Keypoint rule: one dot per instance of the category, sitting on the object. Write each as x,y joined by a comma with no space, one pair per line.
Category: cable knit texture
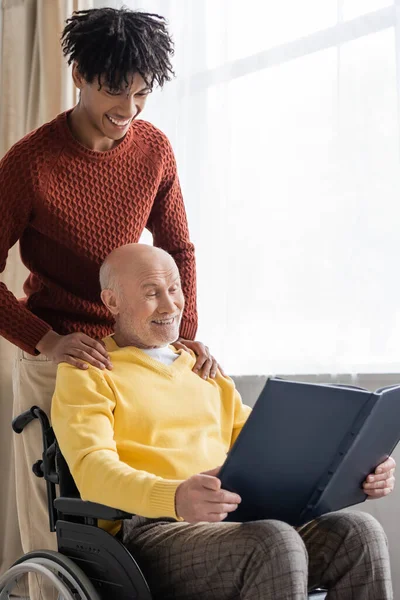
69,207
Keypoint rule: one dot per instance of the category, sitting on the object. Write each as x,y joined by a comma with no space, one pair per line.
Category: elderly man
148,436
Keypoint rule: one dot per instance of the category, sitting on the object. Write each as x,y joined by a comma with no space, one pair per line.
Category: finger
378,493
201,359
214,368
381,484
222,508
209,482
389,484
90,352
381,477
201,352
198,348
102,355
92,343
376,485
387,465
223,497
179,346
74,362
206,369
220,369
78,353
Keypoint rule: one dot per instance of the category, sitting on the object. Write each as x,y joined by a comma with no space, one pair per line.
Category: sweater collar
184,361
78,148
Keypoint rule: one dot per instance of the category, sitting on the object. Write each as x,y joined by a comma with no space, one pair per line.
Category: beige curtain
35,86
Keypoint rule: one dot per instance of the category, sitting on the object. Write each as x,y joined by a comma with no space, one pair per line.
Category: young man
153,449
72,191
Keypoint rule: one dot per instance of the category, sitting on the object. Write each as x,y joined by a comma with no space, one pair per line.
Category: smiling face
147,299
103,115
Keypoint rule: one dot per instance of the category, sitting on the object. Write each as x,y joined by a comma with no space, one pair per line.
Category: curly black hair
112,44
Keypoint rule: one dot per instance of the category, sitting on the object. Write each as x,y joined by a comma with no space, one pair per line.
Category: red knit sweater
69,207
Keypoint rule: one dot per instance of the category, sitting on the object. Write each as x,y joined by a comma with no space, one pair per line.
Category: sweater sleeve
17,323
169,227
83,421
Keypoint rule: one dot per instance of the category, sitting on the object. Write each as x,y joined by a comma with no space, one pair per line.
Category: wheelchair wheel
52,575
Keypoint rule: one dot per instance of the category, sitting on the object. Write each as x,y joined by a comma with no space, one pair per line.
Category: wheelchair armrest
81,508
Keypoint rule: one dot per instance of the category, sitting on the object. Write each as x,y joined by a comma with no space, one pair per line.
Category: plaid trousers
345,552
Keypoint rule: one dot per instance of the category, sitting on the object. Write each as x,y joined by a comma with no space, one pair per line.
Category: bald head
131,260
141,288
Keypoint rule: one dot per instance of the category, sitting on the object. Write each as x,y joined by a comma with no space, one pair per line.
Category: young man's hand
381,482
77,349
206,365
200,498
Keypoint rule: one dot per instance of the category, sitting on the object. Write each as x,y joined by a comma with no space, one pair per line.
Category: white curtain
284,117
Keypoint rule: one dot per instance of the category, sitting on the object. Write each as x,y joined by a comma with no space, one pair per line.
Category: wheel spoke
49,576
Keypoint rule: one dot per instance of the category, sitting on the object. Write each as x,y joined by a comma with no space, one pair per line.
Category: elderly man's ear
110,300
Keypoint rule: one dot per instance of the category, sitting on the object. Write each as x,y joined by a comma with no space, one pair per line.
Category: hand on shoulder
77,349
206,365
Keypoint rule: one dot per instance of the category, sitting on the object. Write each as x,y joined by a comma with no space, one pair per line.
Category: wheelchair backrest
67,485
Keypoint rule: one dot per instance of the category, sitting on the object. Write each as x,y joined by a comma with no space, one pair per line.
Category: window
284,120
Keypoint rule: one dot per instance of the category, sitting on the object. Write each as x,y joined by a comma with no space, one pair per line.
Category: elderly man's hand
381,482
200,498
206,365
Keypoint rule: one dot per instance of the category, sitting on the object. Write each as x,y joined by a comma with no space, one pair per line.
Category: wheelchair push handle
20,422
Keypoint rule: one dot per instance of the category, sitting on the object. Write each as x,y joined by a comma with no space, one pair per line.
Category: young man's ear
77,76
110,300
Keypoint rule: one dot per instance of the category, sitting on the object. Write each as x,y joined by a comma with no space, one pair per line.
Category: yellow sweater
131,435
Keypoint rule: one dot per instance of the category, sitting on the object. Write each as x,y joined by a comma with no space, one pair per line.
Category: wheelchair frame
111,568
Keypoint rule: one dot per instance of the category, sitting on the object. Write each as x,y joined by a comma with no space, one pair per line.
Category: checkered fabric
345,552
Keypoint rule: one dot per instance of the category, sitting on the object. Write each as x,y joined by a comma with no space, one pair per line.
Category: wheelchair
90,564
